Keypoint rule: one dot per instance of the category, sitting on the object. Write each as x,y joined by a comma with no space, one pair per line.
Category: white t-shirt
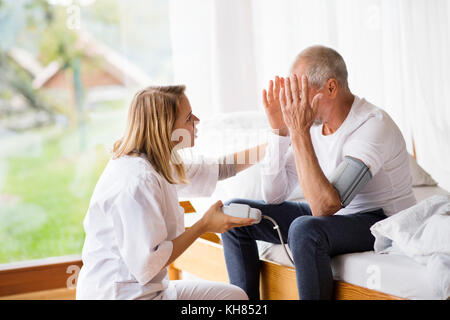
369,134
133,216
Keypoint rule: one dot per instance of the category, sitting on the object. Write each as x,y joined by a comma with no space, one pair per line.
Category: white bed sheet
397,275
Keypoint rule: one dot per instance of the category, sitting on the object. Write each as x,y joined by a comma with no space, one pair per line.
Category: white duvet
421,232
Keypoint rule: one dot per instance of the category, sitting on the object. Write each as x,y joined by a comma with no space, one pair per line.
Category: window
68,70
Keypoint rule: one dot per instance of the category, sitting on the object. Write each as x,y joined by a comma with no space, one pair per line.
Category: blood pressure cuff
349,178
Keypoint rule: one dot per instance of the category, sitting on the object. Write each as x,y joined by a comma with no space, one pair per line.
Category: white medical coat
133,215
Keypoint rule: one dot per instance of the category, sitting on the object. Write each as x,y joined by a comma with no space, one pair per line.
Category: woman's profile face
184,131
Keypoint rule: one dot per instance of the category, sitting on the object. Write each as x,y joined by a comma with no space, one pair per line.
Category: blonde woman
134,225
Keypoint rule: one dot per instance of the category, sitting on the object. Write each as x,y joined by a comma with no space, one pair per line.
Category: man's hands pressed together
287,106
296,114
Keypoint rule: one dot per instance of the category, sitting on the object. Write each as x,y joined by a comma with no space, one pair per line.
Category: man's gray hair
322,64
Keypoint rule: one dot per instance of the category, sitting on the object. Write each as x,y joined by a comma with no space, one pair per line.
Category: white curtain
397,54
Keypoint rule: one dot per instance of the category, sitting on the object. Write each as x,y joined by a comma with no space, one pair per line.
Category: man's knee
305,229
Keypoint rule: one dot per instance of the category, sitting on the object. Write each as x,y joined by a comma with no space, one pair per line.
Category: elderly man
351,162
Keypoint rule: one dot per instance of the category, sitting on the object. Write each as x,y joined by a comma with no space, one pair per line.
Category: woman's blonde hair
150,122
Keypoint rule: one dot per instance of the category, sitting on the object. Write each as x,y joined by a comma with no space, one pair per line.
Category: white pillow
419,176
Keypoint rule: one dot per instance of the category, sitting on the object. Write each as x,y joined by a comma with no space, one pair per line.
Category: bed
365,275
396,275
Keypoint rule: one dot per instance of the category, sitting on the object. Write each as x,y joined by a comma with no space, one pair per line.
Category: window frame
38,275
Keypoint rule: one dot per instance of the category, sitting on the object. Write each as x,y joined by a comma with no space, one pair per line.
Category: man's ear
331,88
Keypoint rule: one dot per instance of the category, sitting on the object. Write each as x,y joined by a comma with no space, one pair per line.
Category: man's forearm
322,198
